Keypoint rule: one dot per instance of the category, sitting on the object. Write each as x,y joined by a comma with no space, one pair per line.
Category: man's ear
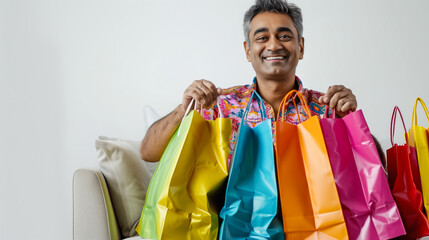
301,50
247,50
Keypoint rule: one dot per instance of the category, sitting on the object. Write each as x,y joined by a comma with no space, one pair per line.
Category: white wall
73,70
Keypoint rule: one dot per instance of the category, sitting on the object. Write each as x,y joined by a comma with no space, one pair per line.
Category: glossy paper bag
357,213
419,140
368,207
381,206
310,204
251,196
407,196
193,168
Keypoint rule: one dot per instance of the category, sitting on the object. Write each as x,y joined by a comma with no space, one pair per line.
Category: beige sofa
93,214
108,201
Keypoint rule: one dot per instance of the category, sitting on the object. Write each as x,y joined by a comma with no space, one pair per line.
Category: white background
73,70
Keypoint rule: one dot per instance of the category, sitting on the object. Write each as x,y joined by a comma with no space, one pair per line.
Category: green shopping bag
190,174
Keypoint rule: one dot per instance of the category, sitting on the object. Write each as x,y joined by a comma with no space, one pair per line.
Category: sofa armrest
93,214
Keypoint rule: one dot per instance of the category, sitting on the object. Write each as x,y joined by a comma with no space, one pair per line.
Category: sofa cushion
127,177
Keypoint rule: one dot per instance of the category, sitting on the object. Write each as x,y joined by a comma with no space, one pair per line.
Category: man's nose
273,44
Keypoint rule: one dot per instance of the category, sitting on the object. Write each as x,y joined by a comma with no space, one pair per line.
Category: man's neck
273,90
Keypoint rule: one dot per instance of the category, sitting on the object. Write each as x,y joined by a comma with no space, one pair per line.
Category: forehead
272,21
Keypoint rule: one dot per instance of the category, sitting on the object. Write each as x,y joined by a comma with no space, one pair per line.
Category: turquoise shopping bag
250,209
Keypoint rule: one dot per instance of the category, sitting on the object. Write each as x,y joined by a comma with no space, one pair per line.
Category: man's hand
159,134
204,92
339,98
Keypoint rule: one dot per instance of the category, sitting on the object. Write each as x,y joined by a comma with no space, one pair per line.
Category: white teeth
275,58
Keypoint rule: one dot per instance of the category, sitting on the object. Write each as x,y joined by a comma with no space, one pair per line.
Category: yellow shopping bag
180,200
419,140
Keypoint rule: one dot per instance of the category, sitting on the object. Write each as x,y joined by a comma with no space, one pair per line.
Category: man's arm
159,134
157,137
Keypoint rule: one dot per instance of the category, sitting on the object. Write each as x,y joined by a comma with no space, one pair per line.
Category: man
274,45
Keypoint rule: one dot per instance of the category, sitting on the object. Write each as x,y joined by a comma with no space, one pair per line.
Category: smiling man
274,48
273,45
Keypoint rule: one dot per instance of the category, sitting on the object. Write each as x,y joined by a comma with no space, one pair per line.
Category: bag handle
188,109
393,125
258,99
414,118
334,113
292,95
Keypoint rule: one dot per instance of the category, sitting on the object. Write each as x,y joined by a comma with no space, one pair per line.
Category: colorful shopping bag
251,195
419,140
369,209
309,200
414,165
357,212
407,196
384,212
193,168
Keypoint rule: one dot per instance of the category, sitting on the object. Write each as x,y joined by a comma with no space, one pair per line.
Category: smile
275,58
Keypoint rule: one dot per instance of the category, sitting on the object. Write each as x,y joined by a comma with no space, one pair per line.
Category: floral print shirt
233,101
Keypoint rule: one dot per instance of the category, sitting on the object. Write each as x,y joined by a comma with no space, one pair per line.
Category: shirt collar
298,83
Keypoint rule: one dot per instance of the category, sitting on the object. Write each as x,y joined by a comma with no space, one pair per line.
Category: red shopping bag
412,153
407,196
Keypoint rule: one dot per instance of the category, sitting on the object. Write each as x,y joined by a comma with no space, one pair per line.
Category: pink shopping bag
368,206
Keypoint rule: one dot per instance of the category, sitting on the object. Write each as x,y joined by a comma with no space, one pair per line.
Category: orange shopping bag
308,195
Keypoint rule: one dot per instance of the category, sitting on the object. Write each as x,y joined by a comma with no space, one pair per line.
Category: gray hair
275,6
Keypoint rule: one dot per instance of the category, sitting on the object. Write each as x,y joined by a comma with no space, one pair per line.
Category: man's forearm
159,134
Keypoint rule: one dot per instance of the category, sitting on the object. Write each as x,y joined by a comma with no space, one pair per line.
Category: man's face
275,47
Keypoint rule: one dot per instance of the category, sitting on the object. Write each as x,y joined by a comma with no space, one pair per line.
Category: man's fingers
204,92
199,95
348,106
210,92
331,92
321,98
339,98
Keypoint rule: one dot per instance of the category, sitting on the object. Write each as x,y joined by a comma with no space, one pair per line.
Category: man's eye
284,37
261,38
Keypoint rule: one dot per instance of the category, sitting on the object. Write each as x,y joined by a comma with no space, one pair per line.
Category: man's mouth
275,58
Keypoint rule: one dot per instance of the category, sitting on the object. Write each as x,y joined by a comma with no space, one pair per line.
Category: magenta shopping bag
368,206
